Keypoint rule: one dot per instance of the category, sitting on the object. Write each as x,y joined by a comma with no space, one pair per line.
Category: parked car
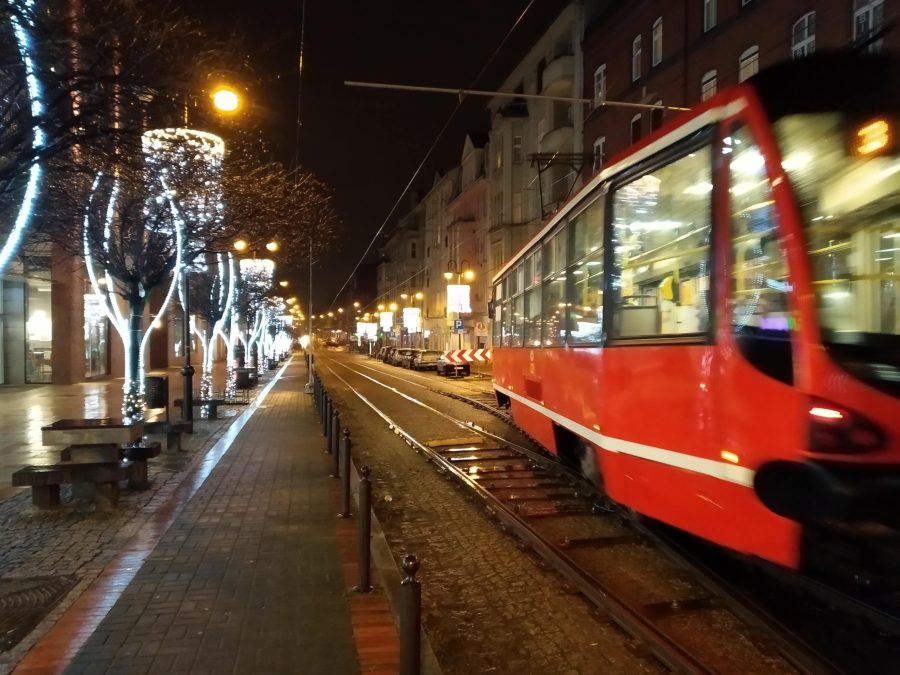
386,353
445,366
426,359
401,356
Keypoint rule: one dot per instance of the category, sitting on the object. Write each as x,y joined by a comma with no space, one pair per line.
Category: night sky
366,143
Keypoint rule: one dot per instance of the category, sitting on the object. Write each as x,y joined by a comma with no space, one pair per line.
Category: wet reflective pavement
241,568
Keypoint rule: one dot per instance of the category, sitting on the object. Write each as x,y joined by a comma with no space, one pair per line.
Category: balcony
558,140
559,75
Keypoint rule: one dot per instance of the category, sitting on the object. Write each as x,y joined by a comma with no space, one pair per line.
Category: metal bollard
410,618
326,418
365,530
345,474
335,441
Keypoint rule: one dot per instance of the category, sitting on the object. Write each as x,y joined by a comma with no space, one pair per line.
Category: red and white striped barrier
468,355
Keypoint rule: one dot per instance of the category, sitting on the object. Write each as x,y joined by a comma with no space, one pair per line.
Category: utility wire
432,148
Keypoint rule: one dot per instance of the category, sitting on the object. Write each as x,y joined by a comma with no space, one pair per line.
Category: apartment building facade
680,53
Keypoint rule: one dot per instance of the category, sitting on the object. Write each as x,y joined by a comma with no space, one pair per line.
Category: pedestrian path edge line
58,646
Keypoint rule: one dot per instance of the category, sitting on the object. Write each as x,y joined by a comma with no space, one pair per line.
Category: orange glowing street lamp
226,99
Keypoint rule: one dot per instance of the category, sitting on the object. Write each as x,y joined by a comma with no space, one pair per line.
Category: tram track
686,624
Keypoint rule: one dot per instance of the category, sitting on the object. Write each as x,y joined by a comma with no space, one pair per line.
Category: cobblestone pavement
489,607
74,540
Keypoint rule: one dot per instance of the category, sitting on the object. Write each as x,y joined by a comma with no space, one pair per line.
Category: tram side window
760,315
497,324
661,228
586,275
507,324
517,305
531,336
554,291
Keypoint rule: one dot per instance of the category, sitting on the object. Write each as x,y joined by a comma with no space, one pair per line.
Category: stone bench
211,403
171,430
91,431
44,481
136,454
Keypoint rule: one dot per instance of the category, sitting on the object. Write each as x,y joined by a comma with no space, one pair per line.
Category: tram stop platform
244,568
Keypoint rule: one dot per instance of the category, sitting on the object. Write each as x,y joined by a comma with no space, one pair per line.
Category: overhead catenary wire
431,150
462,93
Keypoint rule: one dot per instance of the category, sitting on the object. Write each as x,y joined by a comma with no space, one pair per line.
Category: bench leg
106,496
45,496
138,478
173,442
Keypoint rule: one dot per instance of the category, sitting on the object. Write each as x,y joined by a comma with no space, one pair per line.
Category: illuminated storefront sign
411,319
458,298
369,331
386,320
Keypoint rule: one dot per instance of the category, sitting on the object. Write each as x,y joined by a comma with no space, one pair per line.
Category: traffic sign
457,325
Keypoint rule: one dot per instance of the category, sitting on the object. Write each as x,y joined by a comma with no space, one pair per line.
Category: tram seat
635,321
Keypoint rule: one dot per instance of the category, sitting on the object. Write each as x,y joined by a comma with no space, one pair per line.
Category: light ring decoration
24,44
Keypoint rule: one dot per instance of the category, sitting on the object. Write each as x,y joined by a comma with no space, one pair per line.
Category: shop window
661,228
96,355
38,332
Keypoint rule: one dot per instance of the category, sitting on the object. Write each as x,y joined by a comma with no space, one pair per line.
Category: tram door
755,416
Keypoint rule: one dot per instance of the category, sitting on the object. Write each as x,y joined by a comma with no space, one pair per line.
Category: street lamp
284,283
225,99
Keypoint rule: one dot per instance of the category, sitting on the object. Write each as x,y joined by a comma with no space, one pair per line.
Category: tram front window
847,183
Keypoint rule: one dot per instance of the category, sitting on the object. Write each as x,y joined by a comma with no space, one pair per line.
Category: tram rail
575,530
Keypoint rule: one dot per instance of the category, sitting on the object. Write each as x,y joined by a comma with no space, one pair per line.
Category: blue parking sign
457,325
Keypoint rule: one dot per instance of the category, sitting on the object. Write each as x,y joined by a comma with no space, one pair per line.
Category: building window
498,152
600,85
517,207
656,55
636,59
708,85
748,63
412,250
803,36
635,128
656,116
599,152
868,21
541,67
709,15
517,149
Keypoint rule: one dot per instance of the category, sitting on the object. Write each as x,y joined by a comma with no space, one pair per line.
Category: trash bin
156,392
244,378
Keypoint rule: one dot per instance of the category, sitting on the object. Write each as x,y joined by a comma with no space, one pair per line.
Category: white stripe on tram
708,467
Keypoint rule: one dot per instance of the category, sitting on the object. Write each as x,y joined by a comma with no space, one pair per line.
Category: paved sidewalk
248,577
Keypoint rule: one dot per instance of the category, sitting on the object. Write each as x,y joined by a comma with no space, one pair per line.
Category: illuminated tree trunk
133,390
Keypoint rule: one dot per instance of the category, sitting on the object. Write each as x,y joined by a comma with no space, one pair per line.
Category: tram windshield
846,177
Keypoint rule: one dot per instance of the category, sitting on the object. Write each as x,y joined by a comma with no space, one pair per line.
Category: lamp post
460,299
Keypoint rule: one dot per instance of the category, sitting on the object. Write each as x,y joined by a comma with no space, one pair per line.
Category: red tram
709,328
